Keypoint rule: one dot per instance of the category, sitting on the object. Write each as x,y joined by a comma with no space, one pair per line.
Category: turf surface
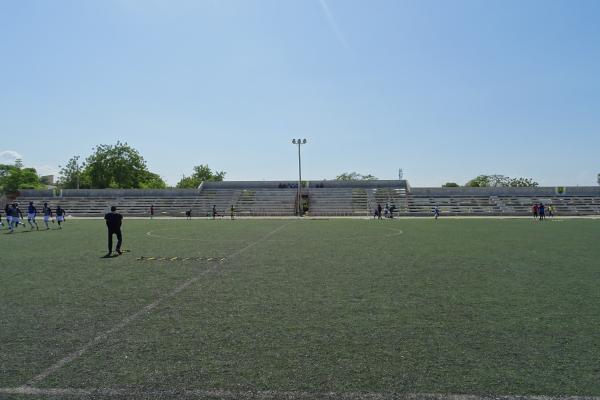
478,306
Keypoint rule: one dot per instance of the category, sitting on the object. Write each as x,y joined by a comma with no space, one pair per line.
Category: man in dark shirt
113,223
16,216
60,216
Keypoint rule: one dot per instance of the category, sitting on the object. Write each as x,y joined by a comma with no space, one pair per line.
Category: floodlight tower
299,142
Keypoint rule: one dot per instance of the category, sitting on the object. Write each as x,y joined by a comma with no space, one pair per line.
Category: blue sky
445,90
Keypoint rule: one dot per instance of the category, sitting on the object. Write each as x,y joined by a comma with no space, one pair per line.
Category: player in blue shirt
47,215
31,214
436,212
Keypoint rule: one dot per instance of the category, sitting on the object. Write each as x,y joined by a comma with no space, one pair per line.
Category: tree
369,178
523,182
15,177
450,184
479,181
118,166
73,176
201,174
500,181
354,176
153,181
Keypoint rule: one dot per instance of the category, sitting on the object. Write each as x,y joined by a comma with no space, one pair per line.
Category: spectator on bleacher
113,223
535,210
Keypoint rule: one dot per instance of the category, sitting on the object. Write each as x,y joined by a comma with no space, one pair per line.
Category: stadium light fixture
299,142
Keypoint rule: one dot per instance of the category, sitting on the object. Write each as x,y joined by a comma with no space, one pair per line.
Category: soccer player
113,223
1,223
542,211
16,217
232,211
436,212
151,211
47,215
535,211
31,214
550,210
214,211
60,216
8,214
188,214
378,211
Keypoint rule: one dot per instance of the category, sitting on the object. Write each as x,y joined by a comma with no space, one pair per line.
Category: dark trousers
110,238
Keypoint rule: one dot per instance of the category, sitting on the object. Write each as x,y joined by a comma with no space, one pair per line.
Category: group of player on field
384,212
539,211
188,213
14,216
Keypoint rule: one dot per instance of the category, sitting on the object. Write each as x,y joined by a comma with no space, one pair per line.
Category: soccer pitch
302,309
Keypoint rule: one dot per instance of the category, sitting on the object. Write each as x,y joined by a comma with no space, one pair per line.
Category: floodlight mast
299,142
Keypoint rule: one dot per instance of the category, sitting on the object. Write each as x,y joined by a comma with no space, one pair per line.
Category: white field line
132,393
130,318
395,232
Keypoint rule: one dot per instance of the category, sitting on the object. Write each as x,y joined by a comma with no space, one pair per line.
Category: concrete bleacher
509,201
337,202
324,198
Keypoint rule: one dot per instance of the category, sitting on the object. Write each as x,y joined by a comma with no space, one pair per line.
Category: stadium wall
591,191
112,193
311,184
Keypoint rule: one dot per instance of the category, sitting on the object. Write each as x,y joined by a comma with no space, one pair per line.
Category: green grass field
302,308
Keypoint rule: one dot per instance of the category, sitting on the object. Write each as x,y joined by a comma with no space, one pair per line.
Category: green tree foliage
354,176
500,181
523,182
201,174
73,172
15,177
450,184
153,181
118,166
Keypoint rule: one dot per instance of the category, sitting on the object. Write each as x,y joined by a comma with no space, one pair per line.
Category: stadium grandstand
320,198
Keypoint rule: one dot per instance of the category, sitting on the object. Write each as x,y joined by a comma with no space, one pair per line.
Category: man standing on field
113,223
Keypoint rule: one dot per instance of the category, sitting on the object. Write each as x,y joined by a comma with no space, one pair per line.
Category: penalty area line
266,394
132,317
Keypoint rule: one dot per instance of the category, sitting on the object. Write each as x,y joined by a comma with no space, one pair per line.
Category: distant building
47,180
